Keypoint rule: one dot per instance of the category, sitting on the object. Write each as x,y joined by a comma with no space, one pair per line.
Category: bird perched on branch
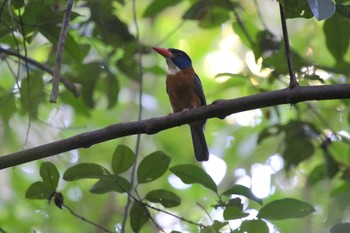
185,91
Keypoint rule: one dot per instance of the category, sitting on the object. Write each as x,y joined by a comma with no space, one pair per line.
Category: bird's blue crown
180,58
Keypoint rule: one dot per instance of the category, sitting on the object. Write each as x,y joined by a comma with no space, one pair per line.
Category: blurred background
299,151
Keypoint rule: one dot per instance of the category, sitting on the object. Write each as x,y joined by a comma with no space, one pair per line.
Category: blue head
179,58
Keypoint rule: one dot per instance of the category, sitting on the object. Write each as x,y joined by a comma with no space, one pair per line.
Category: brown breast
181,91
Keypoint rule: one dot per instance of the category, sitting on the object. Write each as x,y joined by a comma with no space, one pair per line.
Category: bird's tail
199,143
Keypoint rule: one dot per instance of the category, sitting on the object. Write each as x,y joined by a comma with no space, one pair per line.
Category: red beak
163,52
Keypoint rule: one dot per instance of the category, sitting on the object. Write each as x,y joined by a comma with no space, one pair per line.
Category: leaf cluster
153,167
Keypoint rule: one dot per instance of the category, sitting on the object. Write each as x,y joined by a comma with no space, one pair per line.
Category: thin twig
130,196
293,82
172,32
59,52
30,116
139,53
145,204
259,14
86,220
240,22
138,138
202,207
68,84
2,7
151,217
16,42
320,117
173,215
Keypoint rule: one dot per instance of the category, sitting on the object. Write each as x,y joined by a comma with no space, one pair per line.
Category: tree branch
68,84
59,52
220,109
293,81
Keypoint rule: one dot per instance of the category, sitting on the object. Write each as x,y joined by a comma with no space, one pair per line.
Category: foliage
300,153
140,215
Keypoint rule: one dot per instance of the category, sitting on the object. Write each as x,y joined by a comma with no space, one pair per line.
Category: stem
138,138
59,52
292,82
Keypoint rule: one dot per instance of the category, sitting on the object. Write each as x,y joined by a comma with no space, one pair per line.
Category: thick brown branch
220,109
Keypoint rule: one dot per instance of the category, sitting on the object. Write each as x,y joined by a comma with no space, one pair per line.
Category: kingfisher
185,92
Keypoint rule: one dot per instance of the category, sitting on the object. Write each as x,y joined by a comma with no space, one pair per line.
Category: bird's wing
199,89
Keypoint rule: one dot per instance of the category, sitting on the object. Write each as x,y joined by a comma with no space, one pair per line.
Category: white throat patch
172,68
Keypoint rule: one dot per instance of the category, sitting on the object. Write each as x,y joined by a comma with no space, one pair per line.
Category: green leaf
42,190
284,209
32,93
31,10
252,226
190,174
252,31
208,13
340,228
127,66
39,13
157,6
233,209
87,75
109,28
50,175
333,165
268,43
17,3
214,228
71,46
339,150
152,167
270,131
111,183
337,32
343,10
139,215
273,60
298,144
85,171
166,198
78,104
123,159
112,89
234,212
197,11
243,191
38,190
296,8
8,105
322,9
317,174
341,190
215,18
4,31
